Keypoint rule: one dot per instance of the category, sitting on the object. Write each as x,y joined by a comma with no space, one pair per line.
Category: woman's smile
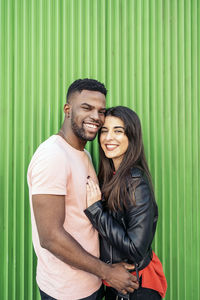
111,147
113,139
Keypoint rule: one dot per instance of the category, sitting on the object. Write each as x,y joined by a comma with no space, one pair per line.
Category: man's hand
119,278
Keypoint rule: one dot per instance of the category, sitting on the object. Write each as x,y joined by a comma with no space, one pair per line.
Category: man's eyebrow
91,106
86,104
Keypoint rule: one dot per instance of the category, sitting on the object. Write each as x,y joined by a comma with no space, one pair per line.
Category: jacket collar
136,172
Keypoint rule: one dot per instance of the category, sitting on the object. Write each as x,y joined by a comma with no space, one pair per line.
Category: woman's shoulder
138,183
136,172
138,176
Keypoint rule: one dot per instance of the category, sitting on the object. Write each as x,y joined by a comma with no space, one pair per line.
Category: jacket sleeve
132,239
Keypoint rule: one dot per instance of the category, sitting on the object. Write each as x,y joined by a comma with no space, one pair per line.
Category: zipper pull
122,219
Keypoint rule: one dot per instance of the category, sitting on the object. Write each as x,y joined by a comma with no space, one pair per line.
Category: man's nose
95,115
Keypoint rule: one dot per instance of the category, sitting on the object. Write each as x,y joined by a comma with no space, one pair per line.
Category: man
65,242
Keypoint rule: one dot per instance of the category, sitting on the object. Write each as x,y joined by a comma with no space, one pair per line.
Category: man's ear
67,110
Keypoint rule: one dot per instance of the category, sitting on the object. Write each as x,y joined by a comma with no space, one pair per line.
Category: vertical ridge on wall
180,254
195,9
182,162
152,128
188,160
165,138
145,74
147,53
5,154
124,94
174,147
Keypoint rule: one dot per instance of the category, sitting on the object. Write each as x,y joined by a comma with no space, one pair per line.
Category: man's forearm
66,248
49,215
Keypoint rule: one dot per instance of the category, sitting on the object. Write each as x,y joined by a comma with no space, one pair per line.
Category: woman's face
113,139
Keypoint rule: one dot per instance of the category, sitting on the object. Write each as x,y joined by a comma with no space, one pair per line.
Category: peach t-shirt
57,168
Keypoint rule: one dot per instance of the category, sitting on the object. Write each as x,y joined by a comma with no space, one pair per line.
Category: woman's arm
134,238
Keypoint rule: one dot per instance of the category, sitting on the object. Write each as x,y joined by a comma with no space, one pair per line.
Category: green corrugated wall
147,52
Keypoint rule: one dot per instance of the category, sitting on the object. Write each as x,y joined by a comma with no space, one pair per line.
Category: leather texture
127,235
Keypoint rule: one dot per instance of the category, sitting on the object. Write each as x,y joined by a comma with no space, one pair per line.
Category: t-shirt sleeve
49,174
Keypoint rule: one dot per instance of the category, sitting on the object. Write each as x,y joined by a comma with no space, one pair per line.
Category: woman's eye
118,131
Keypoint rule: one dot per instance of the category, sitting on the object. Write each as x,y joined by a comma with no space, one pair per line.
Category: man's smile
92,127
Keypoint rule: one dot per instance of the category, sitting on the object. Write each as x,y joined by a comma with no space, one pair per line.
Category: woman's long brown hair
114,188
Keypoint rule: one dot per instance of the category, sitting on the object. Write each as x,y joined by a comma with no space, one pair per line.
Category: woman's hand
93,192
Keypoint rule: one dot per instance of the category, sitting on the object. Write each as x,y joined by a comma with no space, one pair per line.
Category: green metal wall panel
147,53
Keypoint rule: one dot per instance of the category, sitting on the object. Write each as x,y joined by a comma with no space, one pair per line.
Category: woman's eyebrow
119,127
115,127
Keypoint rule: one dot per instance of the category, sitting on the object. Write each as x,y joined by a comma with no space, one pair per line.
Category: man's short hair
85,84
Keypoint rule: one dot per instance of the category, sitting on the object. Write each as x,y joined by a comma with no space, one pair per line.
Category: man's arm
49,211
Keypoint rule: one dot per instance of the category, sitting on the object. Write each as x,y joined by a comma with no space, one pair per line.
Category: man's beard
80,132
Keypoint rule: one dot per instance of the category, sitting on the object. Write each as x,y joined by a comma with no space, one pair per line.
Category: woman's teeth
111,147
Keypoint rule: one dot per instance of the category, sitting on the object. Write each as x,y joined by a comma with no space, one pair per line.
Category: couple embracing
86,230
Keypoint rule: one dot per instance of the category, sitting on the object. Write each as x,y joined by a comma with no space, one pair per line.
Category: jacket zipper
111,255
137,273
122,298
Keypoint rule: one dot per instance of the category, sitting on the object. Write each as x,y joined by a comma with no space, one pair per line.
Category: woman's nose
109,136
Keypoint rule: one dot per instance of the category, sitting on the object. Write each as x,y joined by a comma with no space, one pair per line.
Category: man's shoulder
52,146
48,169
50,151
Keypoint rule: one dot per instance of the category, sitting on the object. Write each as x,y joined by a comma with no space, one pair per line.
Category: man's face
87,113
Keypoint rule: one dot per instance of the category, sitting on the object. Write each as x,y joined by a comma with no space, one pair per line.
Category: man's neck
72,139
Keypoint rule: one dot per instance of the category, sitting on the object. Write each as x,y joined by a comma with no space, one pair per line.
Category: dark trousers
140,294
98,295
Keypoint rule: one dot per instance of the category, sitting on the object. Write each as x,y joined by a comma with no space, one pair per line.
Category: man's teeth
91,125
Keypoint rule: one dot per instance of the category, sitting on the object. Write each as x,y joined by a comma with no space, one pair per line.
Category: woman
126,216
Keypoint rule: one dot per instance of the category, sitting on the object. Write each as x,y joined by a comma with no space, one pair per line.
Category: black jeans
98,295
140,294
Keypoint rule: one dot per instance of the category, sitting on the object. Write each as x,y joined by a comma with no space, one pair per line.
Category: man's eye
102,112
86,108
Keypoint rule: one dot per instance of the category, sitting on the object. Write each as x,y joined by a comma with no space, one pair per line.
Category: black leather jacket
127,236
